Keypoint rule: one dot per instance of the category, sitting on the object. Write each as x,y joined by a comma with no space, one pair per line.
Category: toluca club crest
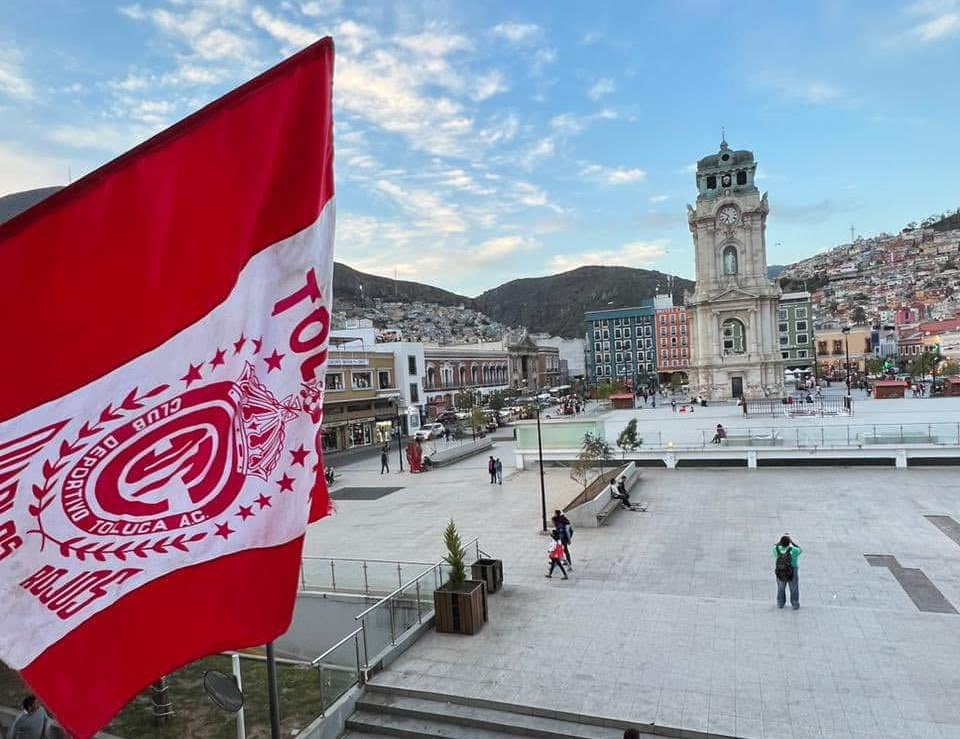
180,463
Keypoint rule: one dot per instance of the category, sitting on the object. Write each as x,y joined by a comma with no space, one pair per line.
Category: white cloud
542,58
132,83
26,170
105,137
501,130
434,44
603,86
938,27
516,32
288,33
316,9
498,248
487,85
790,86
542,149
567,123
590,37
424,208
613,175
633,254
13,80
659,198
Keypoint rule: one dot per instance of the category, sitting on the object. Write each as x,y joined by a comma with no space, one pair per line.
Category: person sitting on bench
618,491
720,434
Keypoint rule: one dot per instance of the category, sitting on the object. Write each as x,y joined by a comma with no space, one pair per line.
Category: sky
478,143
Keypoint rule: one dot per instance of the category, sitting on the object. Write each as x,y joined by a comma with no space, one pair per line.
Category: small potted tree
460,604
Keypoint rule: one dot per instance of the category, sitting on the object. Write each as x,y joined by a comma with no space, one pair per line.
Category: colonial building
833,344
733,309
672,338
533,366
795,331
361,401
620,345
478,370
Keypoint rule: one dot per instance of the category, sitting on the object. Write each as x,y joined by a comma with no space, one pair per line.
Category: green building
795,331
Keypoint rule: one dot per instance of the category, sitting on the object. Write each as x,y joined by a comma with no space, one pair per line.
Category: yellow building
832,346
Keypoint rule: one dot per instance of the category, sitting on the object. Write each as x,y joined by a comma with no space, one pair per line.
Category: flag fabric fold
159,454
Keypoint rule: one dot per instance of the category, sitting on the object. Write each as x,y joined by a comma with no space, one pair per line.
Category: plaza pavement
669,616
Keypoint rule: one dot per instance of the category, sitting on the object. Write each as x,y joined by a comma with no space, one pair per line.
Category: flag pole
272,691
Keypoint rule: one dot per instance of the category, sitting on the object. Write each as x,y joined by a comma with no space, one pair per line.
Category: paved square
670,616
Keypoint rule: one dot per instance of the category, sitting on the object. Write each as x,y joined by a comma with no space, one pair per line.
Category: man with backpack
785,555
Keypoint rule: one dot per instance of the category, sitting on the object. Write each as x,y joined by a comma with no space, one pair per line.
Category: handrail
385,598
336,646
365,559
407,584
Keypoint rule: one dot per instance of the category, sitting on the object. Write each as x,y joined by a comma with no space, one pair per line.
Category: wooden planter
490,571
461,609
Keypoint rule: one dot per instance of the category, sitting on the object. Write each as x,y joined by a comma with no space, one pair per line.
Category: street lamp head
845,330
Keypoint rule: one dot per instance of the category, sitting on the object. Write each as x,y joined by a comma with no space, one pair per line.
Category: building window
598,347
801,353
673,330
802,338
683,318
333,381
741,178
734,337
730,260
617,333
683,329
800,312
383,379
663,319
673,341
821,347
414,393
801,325
361,380
837,346
784,340
785,355
783,314
412,364
619,356
712,182
783,327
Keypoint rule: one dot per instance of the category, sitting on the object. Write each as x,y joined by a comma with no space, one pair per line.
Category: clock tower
733,308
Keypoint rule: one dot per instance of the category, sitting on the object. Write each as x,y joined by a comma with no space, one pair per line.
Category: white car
429,431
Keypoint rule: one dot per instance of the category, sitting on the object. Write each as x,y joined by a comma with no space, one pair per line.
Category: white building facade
733,309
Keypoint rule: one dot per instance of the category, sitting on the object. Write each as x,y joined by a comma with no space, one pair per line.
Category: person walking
555,555
498,470
384,460
492,470
673,404
32,723
564,528
785,555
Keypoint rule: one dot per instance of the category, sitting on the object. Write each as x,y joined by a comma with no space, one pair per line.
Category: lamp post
543,491
846,337
399,434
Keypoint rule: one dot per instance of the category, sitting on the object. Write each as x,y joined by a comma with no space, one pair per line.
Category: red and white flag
166,322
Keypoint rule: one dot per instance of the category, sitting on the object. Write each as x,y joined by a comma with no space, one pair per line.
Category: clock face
728,215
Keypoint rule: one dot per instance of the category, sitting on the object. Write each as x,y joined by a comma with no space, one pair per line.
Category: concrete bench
614,504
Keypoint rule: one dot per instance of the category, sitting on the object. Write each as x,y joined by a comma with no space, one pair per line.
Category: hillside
355,287
556,304
11,205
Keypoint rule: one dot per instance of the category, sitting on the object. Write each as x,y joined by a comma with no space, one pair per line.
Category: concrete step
502,722
404,712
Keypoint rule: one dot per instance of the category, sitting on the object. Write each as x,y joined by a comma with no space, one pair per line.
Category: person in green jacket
786,546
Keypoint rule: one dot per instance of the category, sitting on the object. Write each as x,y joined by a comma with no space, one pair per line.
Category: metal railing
347,662
860,435
346,575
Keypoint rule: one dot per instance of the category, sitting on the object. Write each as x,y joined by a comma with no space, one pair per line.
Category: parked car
429,431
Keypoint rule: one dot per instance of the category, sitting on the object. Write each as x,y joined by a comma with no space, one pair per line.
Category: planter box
461,610
490,571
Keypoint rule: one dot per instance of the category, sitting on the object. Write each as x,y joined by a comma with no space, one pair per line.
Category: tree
605,390
478,419
592,450
676,380
628,441
495,401
859,315
921,365
949,368
873,365
463,401
454,555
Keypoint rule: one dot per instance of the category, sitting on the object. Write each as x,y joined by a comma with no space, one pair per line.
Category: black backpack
784,569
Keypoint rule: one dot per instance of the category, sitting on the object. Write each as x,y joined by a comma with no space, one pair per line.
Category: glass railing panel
337,672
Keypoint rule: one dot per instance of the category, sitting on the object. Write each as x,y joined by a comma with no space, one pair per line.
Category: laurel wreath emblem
45,494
